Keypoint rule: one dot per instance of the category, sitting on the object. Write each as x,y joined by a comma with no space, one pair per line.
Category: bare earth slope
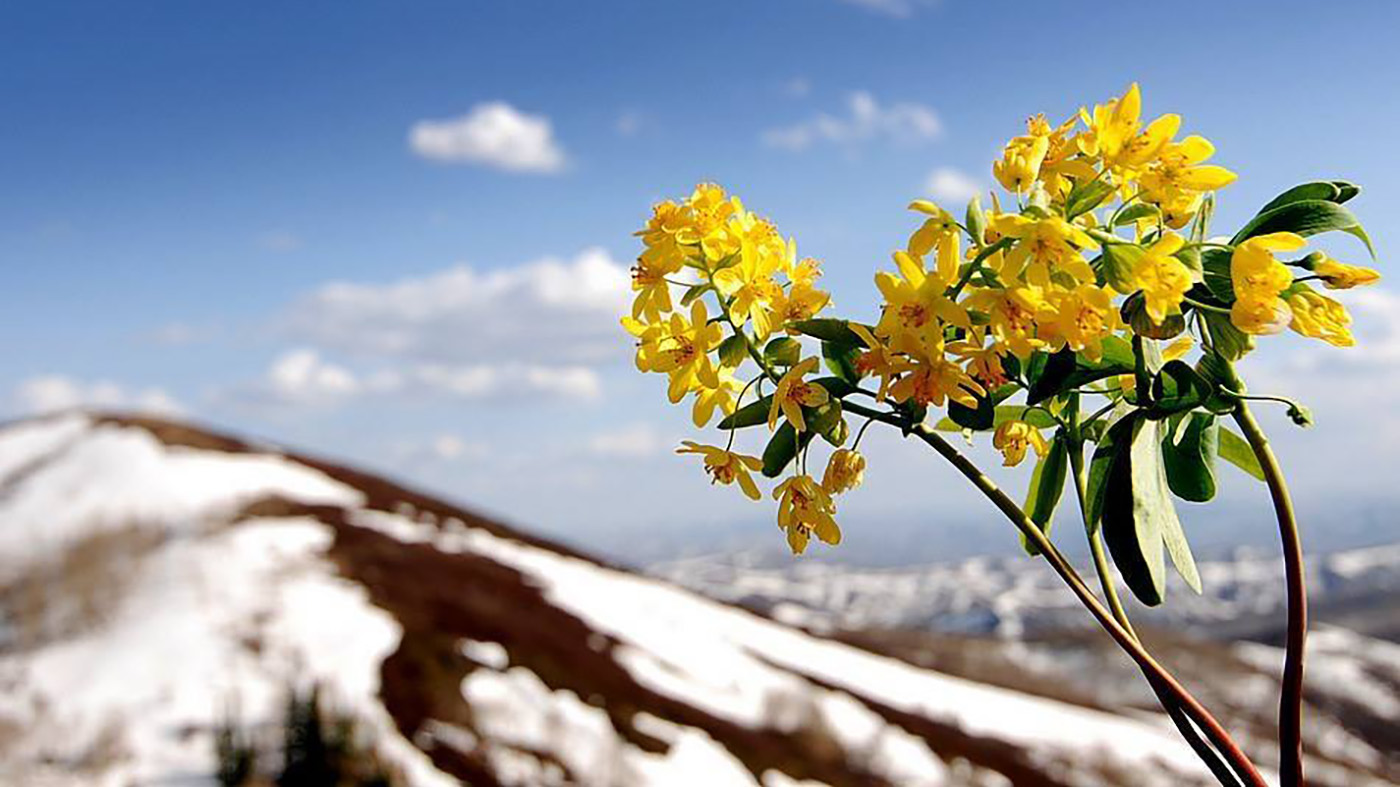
156,578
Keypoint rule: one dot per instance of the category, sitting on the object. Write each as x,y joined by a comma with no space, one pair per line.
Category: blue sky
182,185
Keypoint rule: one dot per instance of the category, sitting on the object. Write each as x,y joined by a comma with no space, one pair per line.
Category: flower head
1012,439
794,393
844,471
1163,279
726,467
1341,276
1318,316
804,508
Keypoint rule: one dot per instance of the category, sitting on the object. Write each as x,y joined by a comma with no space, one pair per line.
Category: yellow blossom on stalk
715,389
726,467
1177,178
1258,279
708,211
804,272
750,285
800,302
649,282
1060,164
1019,166
939,232
983,363
844,471
1011,313
1045,246
649,336
877,360
804,508
1114,137
1318,316
932,379
1012,438
916,305
1080,319
1163,279
1341,276
683,351
794,393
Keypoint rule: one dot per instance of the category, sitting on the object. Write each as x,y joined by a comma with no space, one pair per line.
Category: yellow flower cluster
970,304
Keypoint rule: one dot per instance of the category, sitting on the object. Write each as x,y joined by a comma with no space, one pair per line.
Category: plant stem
1193,708
1189,732
1290,709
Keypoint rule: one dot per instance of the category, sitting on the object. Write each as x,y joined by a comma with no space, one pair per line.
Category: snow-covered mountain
159,582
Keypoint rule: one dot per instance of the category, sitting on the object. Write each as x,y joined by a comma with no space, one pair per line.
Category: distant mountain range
165,588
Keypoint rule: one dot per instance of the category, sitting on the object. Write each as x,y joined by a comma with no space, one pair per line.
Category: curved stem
1193,708
1290,709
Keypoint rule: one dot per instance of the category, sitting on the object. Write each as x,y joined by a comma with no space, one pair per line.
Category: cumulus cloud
865,119
303,377
493,134
900,9
52,393
951,185
549,312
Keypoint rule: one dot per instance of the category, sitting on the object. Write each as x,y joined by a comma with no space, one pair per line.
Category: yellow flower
726,467
1258,279
1011,313
649,282
707,213
1341,276
1163,279
1080,319
683,351
749,283
933,379
1177,179
1260,315
940,231
1113,133
1320,317
801,302
804,508
844,471
794,393
1020,162
916,305
1012,438
1045,246
803,273
983,363
715,388
649,336
877,360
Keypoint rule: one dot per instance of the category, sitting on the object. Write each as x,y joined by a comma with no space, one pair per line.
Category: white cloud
951,185
492,134
633,441
901,9
51,393
628,123
866,119
280,241
549,312
303,377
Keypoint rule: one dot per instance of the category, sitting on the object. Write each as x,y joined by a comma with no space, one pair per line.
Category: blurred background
397,237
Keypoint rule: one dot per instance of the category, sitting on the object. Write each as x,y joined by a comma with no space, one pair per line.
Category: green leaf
1215,274
983,416
827,422
1036,417
1119,262
692,292
1139,518
1134,312
1235,450
1305,217
1100,468
1189,452
782,448
1132,213
733,351
828,330
841,358
1047,485
751,414
1085,197
836,387
1219,374
1337,191
1178,388
1230,342
1053,376
783,351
